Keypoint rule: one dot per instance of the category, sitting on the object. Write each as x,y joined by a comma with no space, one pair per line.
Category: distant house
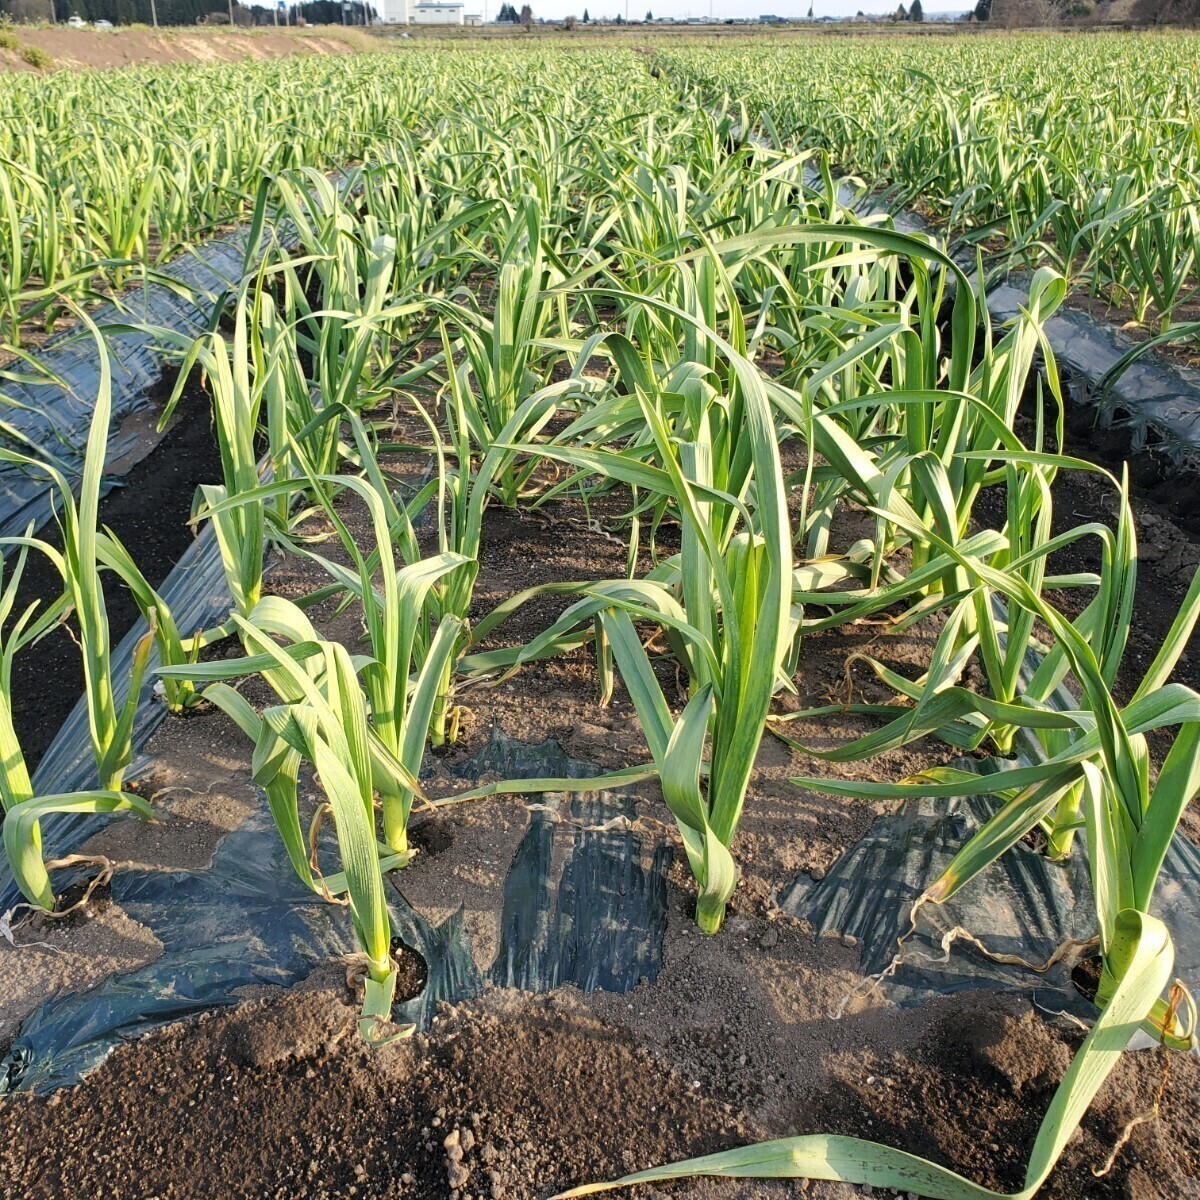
437,13
425,12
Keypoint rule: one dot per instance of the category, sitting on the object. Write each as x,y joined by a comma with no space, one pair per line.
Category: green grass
35,56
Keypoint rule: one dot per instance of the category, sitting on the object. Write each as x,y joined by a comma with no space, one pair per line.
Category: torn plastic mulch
246,919
604,926
54,417
584,901
1023,905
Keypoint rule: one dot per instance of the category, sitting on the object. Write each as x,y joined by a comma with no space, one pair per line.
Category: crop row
1082,153
105,174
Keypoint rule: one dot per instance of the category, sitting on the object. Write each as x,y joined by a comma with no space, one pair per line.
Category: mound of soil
280,1098
79,49
973,1093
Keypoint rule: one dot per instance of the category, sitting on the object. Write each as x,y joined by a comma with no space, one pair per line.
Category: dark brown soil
973,1094
518,1096
512,1096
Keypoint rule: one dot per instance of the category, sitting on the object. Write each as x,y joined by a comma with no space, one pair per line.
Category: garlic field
589,650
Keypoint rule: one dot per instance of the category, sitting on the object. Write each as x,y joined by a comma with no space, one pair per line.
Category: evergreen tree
586,18
916,13
327,12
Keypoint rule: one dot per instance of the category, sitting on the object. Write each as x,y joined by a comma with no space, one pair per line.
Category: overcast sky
720,8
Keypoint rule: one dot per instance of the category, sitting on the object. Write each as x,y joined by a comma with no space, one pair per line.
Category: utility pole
154,13
230,14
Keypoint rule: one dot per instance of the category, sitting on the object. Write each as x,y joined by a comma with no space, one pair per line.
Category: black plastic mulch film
1024,905
56,417
585,902
585,897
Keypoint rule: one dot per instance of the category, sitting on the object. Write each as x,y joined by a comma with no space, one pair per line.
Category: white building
425,12
393,12
437,12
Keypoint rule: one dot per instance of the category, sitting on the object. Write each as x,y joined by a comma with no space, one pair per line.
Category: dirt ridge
94,49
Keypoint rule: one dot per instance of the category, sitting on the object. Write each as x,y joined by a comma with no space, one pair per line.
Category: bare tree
527,18
1025,12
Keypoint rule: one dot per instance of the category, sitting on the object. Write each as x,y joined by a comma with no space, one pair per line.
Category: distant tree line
186,12
1164,12
129,12
119,12
508,15
1051,12
329,12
